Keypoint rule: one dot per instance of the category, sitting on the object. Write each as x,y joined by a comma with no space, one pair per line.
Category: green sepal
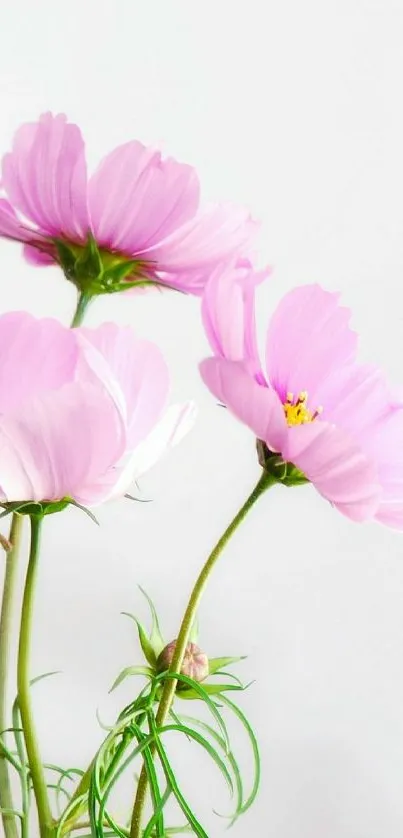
132,670
220,663
145,642
277,469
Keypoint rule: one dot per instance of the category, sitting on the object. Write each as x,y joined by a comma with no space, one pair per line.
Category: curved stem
24,700
82,305
7,609
168,693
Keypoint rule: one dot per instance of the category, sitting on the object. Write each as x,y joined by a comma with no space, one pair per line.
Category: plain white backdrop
294,109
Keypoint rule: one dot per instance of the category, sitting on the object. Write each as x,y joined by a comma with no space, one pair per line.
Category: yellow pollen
297,411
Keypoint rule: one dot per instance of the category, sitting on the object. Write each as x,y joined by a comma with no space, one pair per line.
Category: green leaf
12,812
171,780
132,670
145,642
156,639
202,694
211,689
149,829
255,750
230,756
192,734
220,663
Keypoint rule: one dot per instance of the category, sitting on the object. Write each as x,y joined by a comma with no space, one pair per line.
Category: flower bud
195,663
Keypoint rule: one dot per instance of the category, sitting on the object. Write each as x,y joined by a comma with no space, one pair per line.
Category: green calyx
96,271
157,652
274,465
42,508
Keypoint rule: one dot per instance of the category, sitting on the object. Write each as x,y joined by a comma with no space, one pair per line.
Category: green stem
82,305
266,480
24,700
7,609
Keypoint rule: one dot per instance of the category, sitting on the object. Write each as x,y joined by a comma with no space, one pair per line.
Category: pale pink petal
136,198
387,443
45,176
190,254
228,312
175,424
308,338
337,466
355,397
64,441
10,225
35,356
36,257
132,370
258,407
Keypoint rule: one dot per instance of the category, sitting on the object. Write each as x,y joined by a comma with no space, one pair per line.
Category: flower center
297,411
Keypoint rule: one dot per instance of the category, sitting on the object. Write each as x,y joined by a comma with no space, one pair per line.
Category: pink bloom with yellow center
137,207
82,411
315,407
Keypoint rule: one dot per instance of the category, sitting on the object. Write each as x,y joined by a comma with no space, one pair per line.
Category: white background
293,109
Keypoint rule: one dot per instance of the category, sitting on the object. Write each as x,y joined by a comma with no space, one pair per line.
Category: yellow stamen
297,411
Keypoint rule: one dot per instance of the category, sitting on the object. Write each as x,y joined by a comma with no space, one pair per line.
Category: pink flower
82,412
137,207
316,408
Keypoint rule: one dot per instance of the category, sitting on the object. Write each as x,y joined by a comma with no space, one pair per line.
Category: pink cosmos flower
82,411
136,205
335,420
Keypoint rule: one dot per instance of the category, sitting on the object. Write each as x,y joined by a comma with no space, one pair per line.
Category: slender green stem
82,305
24,700
266,480
7,610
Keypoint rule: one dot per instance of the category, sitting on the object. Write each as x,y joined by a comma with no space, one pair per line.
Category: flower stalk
266,480
46,829
6,616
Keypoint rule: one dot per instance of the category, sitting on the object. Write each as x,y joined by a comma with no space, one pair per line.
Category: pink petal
136,198
36,257
10,225
228,311
355,397
35,356
388,448
337,467
133,371
175,424
45,177
308,338
177,421
190,254
257,407
65,440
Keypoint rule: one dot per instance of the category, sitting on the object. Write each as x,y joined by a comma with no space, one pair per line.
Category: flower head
195,662
318,415
82,412
136,220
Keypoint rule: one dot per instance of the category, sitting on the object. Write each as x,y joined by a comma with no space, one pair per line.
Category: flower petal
308,338
65,440
228,312
137,199
337,467
133,371
10,225
45,176
35,356
177,421
190,254
36,257
388,445
257,407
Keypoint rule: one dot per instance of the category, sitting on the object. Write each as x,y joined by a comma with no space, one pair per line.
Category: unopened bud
195,663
